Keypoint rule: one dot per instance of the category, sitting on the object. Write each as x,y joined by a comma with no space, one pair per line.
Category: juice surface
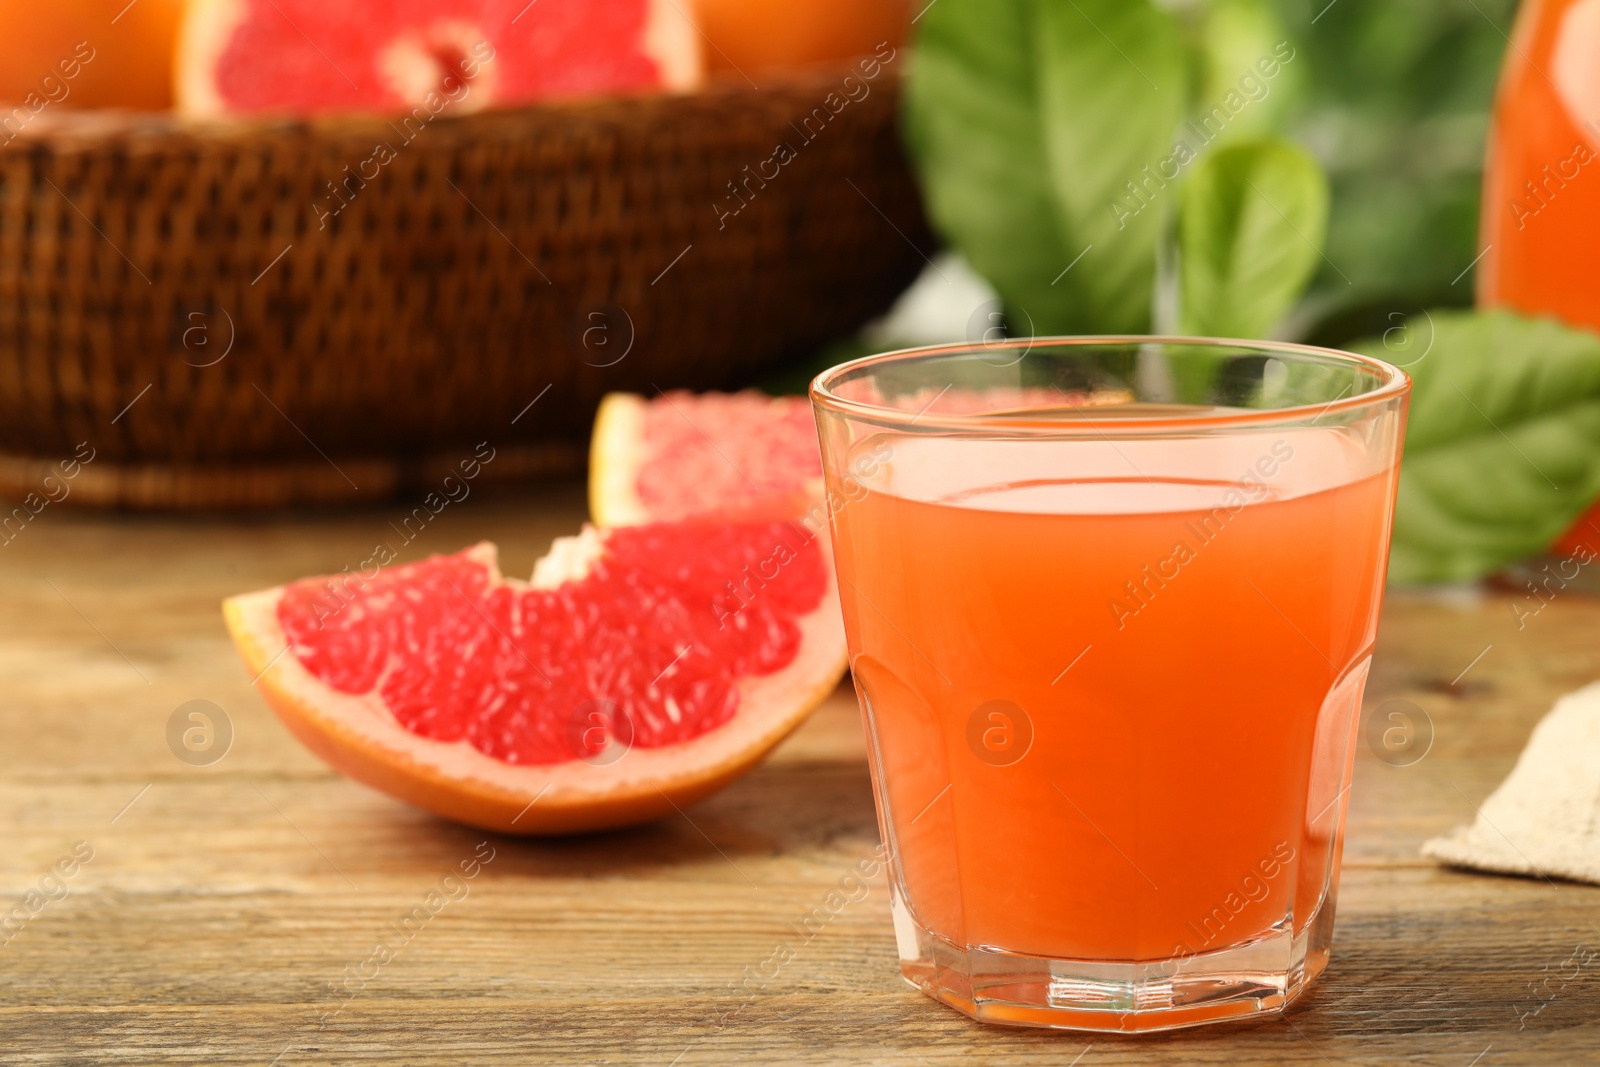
1112,716
1541,196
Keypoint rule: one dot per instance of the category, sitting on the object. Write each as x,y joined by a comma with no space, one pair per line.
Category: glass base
1255,978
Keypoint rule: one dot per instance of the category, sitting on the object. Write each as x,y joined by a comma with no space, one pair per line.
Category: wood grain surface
229,912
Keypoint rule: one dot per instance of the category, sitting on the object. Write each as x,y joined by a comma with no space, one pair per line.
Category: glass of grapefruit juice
1110,606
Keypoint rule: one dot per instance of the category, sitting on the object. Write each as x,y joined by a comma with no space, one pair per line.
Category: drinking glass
1111,605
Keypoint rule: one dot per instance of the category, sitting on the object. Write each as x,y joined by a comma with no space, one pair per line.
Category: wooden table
223,903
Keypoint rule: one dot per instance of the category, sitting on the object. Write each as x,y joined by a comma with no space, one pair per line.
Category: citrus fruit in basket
85,53
755,36
644,667
684,454
309,56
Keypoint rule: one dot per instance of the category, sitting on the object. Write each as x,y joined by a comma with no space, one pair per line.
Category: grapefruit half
309,56
683,454
640,670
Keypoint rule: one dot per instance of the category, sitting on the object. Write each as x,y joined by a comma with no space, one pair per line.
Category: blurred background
261,255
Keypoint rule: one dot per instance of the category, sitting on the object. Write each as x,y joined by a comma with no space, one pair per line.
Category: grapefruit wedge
743,454
640,670
681,454
310,56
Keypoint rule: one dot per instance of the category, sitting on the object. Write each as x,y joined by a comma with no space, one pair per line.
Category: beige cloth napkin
1545,817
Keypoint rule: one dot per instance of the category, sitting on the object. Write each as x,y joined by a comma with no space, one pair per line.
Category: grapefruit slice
309,56
749,454
682,454
640,670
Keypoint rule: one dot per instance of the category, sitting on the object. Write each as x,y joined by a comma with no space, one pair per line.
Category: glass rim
1392,381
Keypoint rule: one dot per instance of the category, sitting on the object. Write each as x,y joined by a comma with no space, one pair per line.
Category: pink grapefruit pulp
685,454
642,669
311,56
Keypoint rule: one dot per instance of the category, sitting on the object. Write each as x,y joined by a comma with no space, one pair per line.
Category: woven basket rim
53,125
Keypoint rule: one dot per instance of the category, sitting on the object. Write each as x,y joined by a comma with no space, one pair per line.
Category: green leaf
972,123
1243,47
1030,121
1112,90
1250,233
1503,443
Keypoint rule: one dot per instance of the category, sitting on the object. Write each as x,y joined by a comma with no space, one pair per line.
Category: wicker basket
187,300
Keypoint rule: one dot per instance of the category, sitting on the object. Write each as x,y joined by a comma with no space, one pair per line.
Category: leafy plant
1503,447
1250,230
1395,105
1085,155
1229,37
1021,158
1056,140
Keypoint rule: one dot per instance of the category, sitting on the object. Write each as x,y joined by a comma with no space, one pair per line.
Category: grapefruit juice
1541,195
1112,713
1540,230
1110,647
